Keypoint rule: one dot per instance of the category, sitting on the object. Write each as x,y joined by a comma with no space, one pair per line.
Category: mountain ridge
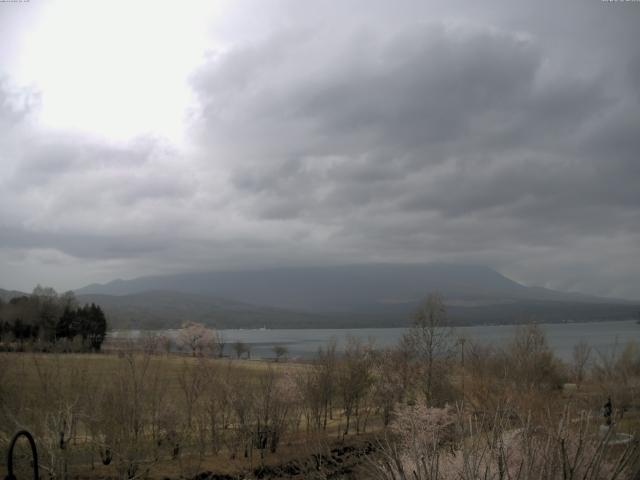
344,284
6,295
363,295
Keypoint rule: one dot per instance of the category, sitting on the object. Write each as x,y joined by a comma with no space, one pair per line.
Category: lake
604,337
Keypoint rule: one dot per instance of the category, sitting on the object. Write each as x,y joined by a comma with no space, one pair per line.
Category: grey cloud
86,174
50,155
84,198
502,132
81,245
16,103
426,88
451,88
478,138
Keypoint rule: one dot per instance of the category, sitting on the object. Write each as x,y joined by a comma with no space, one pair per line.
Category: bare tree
530,363
242,402
327,364
354,380
240,348
431,337
388,383
581,355
192,380
150,344
165,343
217,402
220,343
122,416
308,384
280,351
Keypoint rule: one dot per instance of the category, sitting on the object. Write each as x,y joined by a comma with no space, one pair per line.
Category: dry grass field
96,399
365,413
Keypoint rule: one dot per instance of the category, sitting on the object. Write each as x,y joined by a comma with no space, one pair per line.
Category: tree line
45,319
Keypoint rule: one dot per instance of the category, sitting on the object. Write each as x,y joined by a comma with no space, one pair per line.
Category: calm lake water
602,336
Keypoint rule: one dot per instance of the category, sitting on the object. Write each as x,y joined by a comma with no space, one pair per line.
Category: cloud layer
507,135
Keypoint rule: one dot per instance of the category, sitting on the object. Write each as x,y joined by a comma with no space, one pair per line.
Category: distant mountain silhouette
339,296
6,295
169,309
349,288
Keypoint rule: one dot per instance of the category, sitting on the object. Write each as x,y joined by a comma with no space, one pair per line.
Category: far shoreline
360,327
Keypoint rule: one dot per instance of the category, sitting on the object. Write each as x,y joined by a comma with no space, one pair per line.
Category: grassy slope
20,374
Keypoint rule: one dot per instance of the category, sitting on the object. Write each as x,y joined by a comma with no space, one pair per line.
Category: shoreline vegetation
147,318
433,406
154,331
46,321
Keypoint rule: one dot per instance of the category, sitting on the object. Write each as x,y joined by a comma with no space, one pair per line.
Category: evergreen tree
96,328
63,327
46,315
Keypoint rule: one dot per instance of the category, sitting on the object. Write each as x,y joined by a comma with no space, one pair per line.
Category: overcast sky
150,137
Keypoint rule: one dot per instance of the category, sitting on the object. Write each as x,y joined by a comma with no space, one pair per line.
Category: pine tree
64,325
97,327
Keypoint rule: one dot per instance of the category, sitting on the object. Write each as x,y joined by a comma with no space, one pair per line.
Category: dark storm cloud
474,137
462,113
505,133
422,88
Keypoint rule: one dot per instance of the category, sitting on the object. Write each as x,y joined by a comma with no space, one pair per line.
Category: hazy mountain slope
343,296
7,295
351,288
161,309
165,309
